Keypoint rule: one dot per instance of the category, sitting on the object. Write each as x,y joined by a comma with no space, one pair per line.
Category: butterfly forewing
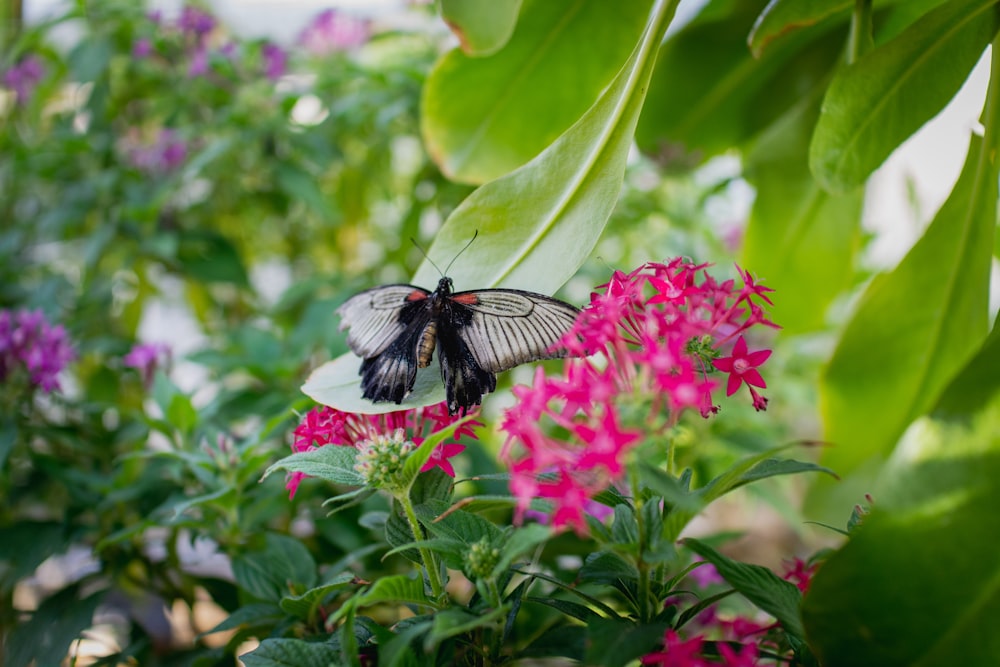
374,317
512,327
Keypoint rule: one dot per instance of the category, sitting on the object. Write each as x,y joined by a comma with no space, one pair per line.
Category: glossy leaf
281,652
708,94
482,28
801,240
873,105
977,383
333,463
915,327
783,16
484,117
917,584
536,225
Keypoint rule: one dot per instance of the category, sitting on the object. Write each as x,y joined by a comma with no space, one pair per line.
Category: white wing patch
511,327
373,318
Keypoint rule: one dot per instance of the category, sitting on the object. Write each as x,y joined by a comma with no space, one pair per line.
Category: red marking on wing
466,299
416,295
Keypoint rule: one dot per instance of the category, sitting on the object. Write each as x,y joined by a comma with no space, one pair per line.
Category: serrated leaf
291,653
877,102
483,117
270,573
333,463
758,584
304,606
915,327
481,28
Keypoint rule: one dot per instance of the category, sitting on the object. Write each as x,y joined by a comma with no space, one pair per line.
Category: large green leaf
483,117
875,103
916,326
801,240
978,382
482,28
709,94
536,225
918,584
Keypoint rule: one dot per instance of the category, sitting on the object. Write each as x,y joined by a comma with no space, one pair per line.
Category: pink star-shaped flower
742,367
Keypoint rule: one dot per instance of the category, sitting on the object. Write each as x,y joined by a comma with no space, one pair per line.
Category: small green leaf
758,584
877,102
209,257
395,589
333,463
304,606
783,16
267,574
250,615
181,414
915,327
301,186
482,28
279,652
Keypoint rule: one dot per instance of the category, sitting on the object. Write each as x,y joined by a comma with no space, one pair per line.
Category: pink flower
324,425
677,652
164,155
800,573
147,358
333,31
650,337
742,367
142,48
195,22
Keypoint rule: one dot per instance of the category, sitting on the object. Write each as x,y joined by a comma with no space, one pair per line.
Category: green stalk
426,555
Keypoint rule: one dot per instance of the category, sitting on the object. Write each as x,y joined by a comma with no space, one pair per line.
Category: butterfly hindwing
512,327
465,380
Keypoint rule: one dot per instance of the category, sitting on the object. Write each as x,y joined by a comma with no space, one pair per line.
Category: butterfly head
445,286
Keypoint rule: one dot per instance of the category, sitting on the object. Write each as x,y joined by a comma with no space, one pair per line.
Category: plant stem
426,555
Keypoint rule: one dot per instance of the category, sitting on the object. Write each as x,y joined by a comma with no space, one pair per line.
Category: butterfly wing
506,328
385,325
465,380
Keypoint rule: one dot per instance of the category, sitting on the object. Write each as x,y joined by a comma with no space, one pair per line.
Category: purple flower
196,22
199,63
275,60
166,154
29,342
142,48
147,358
24,76
333,31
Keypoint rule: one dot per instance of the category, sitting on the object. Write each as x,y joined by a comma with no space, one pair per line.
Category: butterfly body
397,329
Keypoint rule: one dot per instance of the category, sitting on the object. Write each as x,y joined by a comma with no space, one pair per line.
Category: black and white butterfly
395,329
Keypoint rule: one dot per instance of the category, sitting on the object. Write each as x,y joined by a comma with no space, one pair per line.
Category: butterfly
477,334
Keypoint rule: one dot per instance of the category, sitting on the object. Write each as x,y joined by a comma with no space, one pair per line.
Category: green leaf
456,621
709,94
483,117
209,257
181,414
394,589
977,383
291,653
758,584
918,584
801,240
482,28
301,186
523,540
615,642
268,573
8,436
875,103
45,638
255,614
915,327
783,16
536,225
304,606
332,463
27,544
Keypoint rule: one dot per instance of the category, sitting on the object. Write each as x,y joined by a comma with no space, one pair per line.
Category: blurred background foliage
164,180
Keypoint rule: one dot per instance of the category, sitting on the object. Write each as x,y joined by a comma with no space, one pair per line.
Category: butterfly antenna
466,247
426,256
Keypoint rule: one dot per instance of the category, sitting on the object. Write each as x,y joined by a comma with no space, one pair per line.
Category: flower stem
426,555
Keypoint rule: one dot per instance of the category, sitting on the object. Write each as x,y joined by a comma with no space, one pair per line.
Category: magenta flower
332,31
328,426
648,338
198,66
30,345
142,48
800,573
195,22
742,367
677,652
24,77
275,61
147,358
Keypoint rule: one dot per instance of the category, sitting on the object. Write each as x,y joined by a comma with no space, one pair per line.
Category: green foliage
283,196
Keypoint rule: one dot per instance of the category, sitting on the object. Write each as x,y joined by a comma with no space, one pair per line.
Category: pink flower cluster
29,342
653,335
23,77
331,31
147,358
324,425
163,155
